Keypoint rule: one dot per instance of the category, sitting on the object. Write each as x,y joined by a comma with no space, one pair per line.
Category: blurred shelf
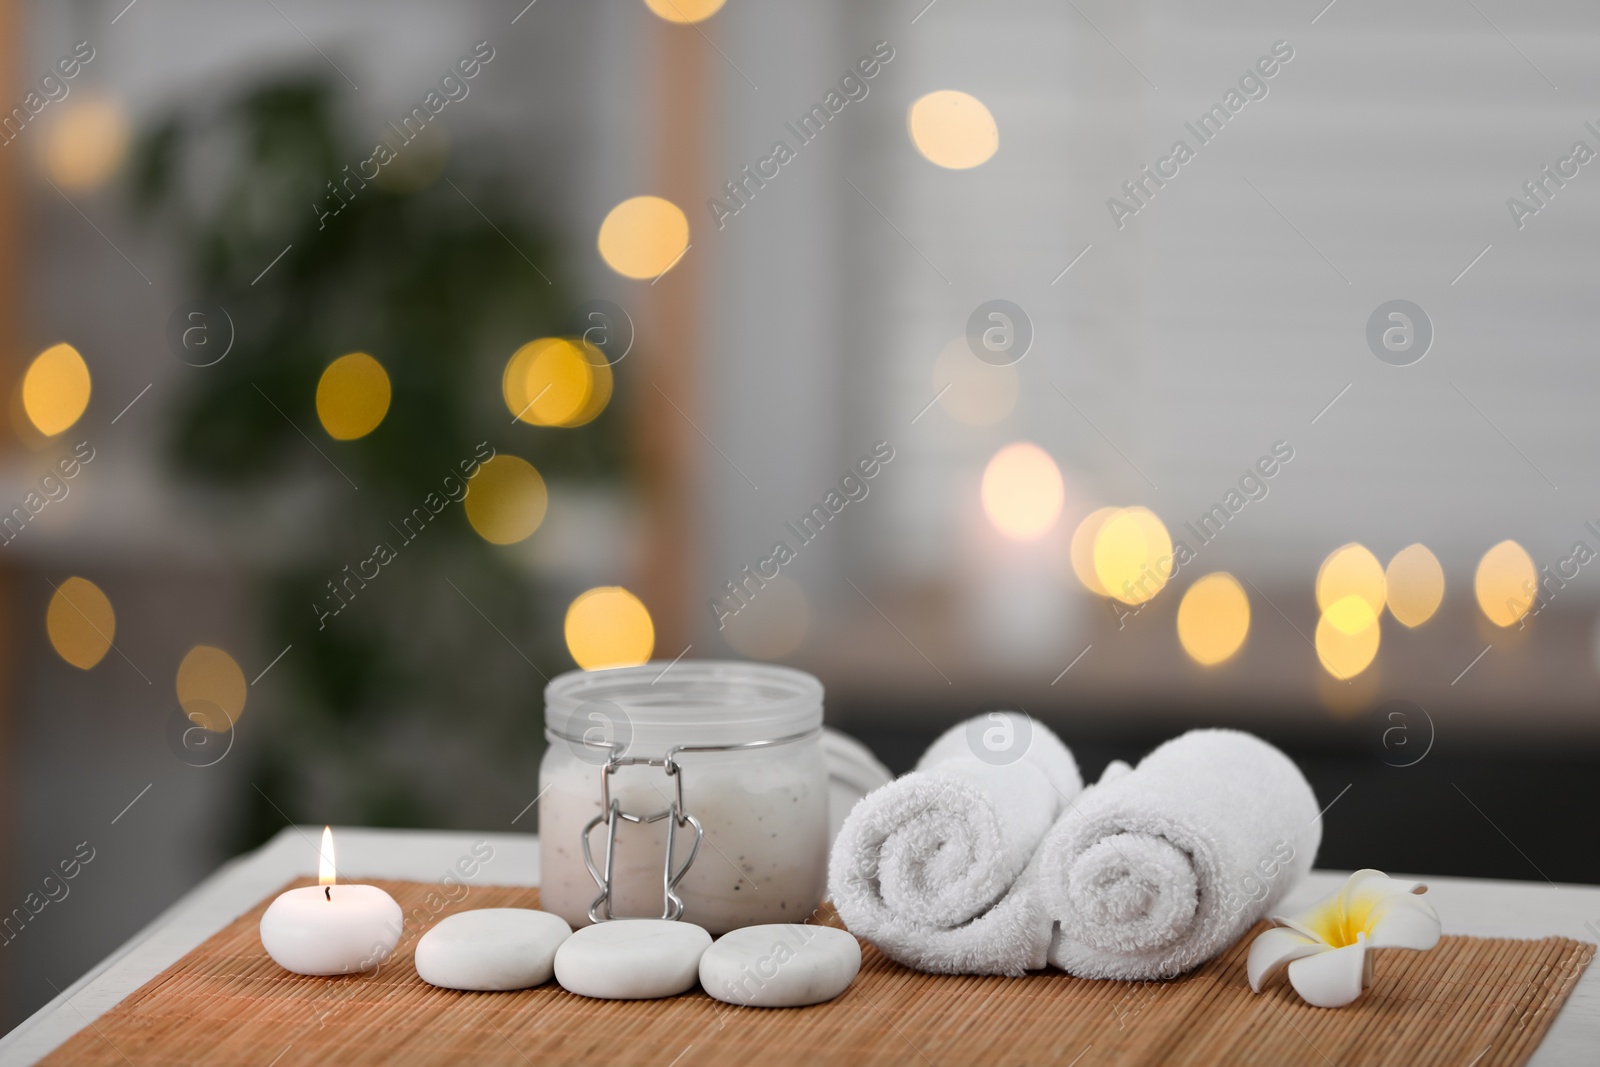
1476,682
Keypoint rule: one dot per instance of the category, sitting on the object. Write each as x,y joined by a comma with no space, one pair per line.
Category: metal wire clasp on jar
611,814
744,803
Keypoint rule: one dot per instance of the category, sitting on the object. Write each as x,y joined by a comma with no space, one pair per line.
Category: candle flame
325,868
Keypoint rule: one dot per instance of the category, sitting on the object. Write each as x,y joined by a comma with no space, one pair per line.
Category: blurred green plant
408,707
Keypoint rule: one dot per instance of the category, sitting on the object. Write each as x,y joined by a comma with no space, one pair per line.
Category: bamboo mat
1470,1000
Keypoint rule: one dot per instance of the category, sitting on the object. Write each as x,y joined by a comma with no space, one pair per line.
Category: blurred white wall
1225,316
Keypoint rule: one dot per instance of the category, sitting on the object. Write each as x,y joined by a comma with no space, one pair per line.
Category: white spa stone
491,949
632,959
781,965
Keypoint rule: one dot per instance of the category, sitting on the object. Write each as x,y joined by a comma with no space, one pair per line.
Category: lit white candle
329,928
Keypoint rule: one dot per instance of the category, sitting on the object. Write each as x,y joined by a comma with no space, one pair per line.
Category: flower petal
1403,922
1330,979
1274,948
1322,921
1337,920
1369,881
1367,885
1364,893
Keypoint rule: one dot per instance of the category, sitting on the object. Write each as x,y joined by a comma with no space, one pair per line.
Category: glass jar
719,763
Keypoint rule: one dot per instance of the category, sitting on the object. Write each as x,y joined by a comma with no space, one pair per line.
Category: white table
1467,906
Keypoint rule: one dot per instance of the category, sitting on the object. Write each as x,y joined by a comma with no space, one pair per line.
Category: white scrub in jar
762,801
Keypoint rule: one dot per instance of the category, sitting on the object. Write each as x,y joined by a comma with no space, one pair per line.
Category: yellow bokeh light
685,11
1347,636
555,381
1133,555
545,383
211,688
1213,618
600,383
953,129
1414,582
1022,491
609,627
1506,583
80,623
1083,539
1351,570
643,236
973,392
55,389
352,396
87,143
505,500
1351,615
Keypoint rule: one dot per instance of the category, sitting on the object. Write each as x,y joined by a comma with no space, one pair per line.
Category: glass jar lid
650,707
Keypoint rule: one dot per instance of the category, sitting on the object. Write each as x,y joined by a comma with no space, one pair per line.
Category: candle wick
327,891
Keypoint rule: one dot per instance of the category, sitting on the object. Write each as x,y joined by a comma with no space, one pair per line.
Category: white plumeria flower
1326,946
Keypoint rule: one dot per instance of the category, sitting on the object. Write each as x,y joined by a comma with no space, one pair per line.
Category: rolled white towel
996,734
853,772
1158,869
1114,770
930,868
